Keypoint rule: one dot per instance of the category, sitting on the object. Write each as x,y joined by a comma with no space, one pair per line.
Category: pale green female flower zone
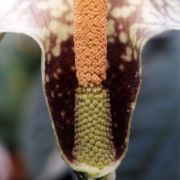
91,74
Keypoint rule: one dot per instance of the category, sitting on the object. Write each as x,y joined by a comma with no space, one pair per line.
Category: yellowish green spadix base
93,128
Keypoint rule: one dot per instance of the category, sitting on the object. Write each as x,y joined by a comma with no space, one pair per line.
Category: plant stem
83,176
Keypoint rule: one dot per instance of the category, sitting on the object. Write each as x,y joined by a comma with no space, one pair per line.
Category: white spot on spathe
52,94
122,12
57,86
49,58
123,37
128,56
109,5
73,68
47,78
54,26
111,28
55,4
46,32
55,13
129,51
55,75
59,70
113,75
121,26
121,67
115,125
56,51
52,4
62,32
60,94
111,40
136,75
62,114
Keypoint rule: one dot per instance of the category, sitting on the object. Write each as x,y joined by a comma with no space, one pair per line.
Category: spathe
131,23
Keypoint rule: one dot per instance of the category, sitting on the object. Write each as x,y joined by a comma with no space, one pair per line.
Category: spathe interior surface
162,35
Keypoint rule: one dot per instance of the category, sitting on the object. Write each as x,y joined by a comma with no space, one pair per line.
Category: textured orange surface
90,38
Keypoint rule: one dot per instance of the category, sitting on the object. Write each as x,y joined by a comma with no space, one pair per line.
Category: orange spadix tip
90,39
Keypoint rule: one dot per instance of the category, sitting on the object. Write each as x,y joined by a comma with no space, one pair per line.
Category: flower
131,24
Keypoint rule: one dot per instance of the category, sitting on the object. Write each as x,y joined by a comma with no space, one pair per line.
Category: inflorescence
93,127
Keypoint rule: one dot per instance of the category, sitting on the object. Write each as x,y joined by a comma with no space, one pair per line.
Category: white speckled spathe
49,22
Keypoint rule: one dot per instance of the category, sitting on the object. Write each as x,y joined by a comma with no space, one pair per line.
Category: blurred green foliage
19,64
